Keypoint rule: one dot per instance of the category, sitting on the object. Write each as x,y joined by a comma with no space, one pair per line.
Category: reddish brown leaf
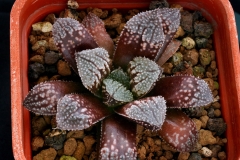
42,99
183,91
146,35
179,131
169,51
79,111
70,36
118,139
97,29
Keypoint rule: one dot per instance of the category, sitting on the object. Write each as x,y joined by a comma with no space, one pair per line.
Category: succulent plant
125,84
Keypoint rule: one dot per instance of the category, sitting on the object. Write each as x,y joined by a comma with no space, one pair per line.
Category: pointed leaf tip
42,99
70,36
97,29
147,34
79,111
149,112
183,91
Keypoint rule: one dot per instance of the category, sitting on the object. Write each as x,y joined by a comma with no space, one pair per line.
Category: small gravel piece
70,146
55,139
206,137
206,152
88,142
201,42
80,150
217,125
113,21
204,120
205,57
183,155
222,155
198,123
39,124
47,154
76,134
67,158
210,112
215,149
42,26
188,43
37,142
35,70
203,29
158,4
38,44
63,68
37,58
195,156
51,57
191,56
187,21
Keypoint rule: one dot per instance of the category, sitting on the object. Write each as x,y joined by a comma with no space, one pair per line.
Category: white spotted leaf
143,74
70,36
79,111
149,112
147,34
94,65
115,94
43,97
183,91
118,139
179,131
120,76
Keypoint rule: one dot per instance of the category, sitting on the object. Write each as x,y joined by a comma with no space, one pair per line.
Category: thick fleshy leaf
149,112
97,29
179,131
70,36
79,111
169,51
93,66
118,139
120,76
43,98
183,91
143,74
115,94
147,35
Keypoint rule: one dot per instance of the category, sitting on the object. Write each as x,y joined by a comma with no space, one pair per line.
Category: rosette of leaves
125,84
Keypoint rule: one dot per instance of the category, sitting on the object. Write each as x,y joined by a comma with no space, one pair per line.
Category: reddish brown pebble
37,142
70,146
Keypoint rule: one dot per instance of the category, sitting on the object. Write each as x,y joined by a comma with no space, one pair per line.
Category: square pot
218,12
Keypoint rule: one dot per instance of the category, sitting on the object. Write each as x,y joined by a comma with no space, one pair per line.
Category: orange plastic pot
218,12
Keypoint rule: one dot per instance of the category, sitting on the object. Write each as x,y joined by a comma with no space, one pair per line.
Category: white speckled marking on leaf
114,93
93,66
143,73
149,112
70,36
79,111
184,91
179,131
147,34
118,139
42,99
